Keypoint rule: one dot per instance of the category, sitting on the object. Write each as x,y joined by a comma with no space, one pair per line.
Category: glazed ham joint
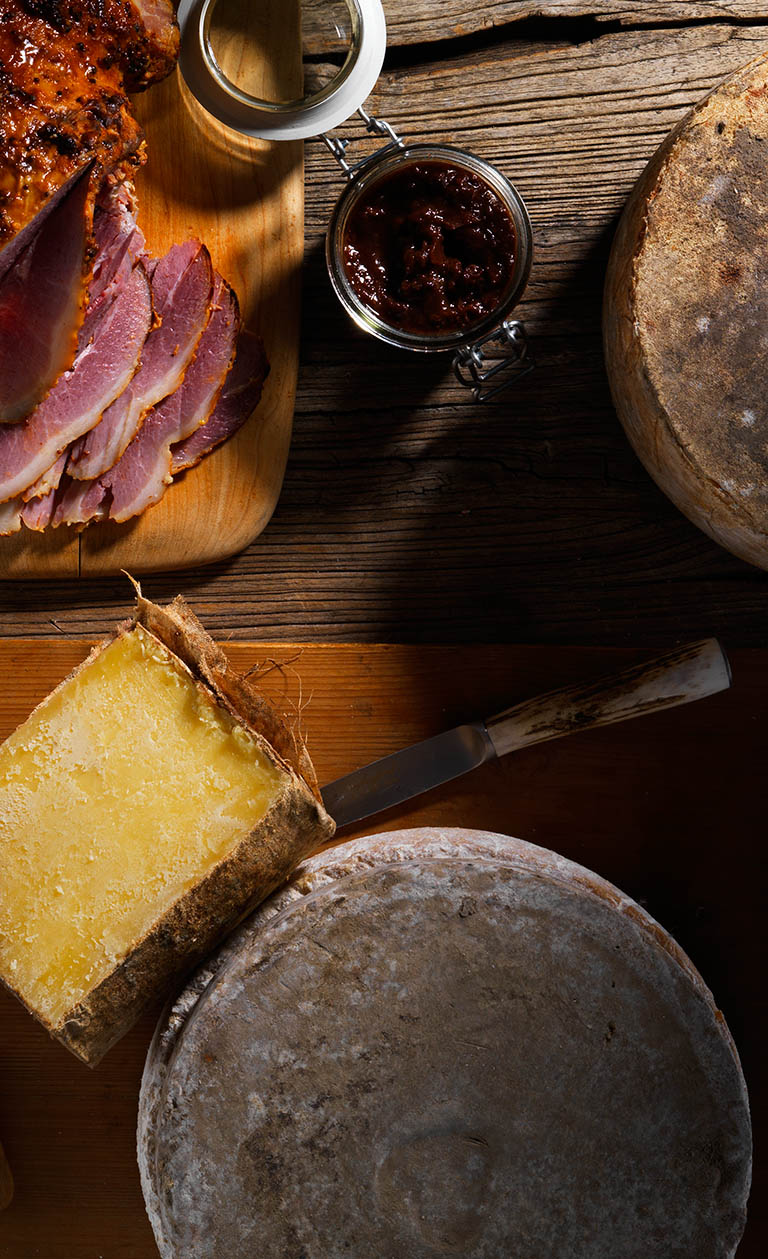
118,370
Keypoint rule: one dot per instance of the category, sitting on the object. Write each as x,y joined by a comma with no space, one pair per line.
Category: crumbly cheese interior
117,796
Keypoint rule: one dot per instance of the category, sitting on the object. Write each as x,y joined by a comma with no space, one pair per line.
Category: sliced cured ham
111,342
37,513
48,481
239,396
80,503
37,503
182,289
42,300
142,475
10,516
119,240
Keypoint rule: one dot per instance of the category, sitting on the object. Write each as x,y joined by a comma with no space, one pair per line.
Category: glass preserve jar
429,247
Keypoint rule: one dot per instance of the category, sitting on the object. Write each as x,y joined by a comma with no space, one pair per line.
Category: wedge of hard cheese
145,806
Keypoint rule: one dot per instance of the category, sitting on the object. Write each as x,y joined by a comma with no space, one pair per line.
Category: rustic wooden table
411,515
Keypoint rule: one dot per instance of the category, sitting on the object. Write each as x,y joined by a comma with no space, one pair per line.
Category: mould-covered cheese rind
140,818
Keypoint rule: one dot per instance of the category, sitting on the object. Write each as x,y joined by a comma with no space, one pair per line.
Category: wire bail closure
515,360
338,145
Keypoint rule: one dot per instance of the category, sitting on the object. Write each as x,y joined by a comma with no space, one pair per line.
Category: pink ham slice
49,480
34,507
83,503
241,392
10,516
38,501
38,512
111,341
182,288
119,240
140,477
42,297
80,503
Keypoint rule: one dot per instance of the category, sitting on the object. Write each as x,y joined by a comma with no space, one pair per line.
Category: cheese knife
676,677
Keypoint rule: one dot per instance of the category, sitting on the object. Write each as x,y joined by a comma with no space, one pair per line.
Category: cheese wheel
686,315
445,1042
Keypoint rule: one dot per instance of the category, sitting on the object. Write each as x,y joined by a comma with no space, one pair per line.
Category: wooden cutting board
244,199
686,312
670,808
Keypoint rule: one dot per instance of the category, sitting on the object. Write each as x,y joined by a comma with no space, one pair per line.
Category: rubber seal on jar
286,120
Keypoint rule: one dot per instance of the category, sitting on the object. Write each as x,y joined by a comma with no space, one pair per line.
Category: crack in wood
549,30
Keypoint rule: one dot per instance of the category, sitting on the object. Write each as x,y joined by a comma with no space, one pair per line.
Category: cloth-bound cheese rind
685,313
146,805
439,1042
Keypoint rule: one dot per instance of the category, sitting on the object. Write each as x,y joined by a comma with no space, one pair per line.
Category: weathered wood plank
434,20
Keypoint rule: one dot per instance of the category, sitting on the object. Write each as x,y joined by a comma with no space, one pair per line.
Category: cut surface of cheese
445,1042
146,805
116,796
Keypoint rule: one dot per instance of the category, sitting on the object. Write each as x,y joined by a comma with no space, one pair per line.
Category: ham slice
119,240
35,507
241,392
182,289
111,341
10,516
80,503
48,481
141,476
42,298
37,513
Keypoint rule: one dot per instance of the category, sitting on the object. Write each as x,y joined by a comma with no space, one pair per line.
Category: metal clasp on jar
338,145
514,361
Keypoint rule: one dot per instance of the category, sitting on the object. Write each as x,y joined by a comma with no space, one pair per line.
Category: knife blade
677,677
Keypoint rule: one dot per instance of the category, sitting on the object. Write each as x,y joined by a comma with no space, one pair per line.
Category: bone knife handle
677,677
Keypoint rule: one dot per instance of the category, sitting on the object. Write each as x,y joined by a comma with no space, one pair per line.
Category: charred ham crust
63,103
144,49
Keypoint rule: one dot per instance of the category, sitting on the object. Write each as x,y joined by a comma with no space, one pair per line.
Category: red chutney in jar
430,248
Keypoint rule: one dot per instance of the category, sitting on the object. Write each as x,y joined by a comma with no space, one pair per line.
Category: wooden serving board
244,199
670,808
686,308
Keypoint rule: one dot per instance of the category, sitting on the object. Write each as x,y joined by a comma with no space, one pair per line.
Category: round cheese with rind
445,1042
685,315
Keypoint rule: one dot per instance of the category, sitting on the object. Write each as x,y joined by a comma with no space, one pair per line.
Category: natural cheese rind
444,1041
140,817
685,314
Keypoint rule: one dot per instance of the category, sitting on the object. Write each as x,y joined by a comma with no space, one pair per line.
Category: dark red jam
430,248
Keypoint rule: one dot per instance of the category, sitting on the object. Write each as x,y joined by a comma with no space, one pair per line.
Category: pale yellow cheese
117,796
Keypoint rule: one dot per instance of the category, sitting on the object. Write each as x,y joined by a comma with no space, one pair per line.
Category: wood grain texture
666,808
244,199
6,1181
426,23
410,514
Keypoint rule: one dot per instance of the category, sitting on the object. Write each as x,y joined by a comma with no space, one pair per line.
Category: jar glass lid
224,44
